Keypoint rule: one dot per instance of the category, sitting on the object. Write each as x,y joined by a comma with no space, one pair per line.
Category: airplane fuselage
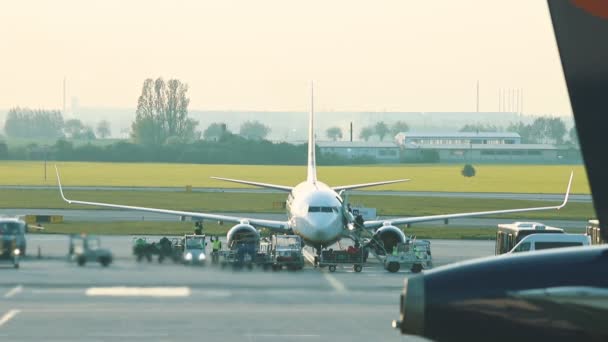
315,213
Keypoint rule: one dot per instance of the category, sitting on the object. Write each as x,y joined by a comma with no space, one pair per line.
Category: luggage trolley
331,259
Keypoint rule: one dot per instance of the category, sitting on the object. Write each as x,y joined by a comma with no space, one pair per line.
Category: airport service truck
286,251
412,254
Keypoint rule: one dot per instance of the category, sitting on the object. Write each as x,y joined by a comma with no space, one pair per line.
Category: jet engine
554,295
389,236
243,232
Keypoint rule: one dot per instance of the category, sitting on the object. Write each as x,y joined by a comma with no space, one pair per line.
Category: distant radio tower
477,103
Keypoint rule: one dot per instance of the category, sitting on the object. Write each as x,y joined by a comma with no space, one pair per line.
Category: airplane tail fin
312,162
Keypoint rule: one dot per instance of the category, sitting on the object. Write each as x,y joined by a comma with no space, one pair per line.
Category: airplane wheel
332,268
358,268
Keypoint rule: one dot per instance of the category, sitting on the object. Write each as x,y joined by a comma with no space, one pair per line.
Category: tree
398,127
72,128
334,133
103,129
366,133
28,123
162,112
573,136
215,131
381,130
75,129
468,170
479,128
524,131
556,130
254,130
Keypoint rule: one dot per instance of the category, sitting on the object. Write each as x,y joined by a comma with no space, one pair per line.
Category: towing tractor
9,250
87,248
412,254
194,250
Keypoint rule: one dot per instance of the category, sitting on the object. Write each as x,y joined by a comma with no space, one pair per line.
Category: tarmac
52,299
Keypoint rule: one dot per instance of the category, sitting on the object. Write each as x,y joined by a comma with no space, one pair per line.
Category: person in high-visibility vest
217,244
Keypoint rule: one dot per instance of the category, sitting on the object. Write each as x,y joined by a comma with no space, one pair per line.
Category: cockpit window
312,209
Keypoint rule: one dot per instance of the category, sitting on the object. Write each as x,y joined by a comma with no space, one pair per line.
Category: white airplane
316,211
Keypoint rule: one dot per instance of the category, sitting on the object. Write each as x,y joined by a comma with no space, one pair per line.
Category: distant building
406,139
488,153
384,152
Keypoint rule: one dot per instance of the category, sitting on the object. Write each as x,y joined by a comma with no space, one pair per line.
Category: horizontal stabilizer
366,185
261,185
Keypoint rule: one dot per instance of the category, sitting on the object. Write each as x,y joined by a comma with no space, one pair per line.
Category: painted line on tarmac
8,316
308,256
335,283
123,291
15,290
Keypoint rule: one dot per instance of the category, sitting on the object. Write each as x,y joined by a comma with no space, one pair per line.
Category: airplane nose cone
326,227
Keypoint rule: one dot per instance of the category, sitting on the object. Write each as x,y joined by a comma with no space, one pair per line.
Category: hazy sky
402,55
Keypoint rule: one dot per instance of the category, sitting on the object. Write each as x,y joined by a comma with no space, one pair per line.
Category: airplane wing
405,220
277,225
262,185
365,185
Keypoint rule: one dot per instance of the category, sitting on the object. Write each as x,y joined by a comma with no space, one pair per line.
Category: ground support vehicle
9,250
286,251
332,259
414,255
242,255
194,250
142,248
87,248
164,248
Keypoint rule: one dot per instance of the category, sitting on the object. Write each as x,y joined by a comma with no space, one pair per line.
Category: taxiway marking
123,291
15,290
335,283
8,316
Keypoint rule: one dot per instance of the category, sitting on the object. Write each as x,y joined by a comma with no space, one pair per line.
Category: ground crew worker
395,252
217,245
198,228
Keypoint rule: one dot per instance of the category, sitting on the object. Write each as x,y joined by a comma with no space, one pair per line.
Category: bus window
547,245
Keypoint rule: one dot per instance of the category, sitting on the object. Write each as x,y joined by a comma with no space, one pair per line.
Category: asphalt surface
93,215
52,299
486,195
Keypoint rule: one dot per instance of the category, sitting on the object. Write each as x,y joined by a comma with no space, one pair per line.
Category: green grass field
489,178
179,228
265,203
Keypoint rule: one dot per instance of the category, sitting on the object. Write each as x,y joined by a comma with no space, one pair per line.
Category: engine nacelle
390,236
243,232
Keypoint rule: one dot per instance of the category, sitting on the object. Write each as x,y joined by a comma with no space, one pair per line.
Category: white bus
510,234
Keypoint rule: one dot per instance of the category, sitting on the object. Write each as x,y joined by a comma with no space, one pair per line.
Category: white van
535,242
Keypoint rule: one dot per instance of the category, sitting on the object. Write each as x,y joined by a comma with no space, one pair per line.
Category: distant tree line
381,130
26,123
33,123
229,149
